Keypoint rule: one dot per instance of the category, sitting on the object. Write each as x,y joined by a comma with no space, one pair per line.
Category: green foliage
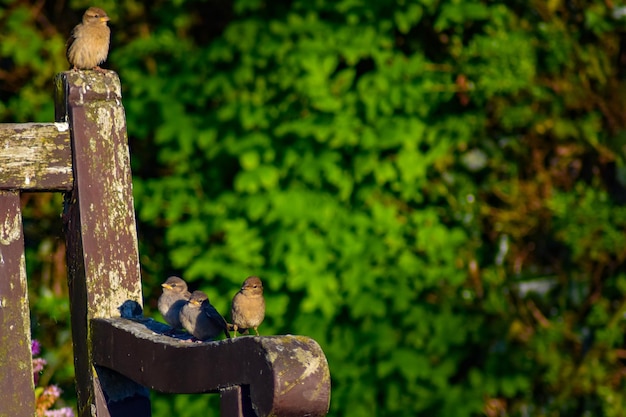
31,52
432,190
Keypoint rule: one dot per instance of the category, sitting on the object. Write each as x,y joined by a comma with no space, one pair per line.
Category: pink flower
52,391
61,412
38,364
47,396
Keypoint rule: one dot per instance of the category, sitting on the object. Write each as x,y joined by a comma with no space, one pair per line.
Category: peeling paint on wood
11,228
103,257
35,156
16,383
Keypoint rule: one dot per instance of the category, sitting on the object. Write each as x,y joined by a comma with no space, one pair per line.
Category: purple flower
35,347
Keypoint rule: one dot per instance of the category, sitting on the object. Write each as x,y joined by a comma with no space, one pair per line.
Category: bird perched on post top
88,45
172,300
248,308
201,319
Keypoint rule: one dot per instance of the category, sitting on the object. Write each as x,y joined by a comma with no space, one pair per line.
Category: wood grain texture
16,367
35,157
282,375
99,217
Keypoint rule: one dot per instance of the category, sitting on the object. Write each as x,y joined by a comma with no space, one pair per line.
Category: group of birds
194,312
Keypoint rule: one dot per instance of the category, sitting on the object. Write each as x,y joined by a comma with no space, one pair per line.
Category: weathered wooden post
16,383
33,157
102,253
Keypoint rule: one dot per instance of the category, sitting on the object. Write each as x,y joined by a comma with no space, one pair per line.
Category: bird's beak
168,286
194,302
104,19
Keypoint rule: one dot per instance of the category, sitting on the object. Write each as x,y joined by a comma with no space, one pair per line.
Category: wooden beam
16,367
35,156
231,402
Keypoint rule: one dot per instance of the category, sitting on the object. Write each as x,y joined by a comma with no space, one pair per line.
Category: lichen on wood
35,156
103,258
16,382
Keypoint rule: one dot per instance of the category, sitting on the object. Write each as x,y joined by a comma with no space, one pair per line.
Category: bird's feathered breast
88,44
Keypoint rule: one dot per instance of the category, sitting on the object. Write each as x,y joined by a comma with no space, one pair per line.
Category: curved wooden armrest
285,375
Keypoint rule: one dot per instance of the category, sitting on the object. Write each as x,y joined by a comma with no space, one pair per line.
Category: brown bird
88,45
201,319
172,300
248,308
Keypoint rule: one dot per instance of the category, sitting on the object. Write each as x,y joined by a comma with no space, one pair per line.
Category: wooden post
231,402
102,253
17,388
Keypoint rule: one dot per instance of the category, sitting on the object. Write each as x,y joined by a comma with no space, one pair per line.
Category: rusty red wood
102,253
231,402
16,370
284,375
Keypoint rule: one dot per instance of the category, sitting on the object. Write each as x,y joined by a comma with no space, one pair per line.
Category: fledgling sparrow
201,319
88,45
172,300
248,308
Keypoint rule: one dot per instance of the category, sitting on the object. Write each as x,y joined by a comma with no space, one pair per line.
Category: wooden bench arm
285,375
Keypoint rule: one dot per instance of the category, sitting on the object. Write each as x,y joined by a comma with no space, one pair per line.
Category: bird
248,307
131,309
172,300
201,319
88,45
